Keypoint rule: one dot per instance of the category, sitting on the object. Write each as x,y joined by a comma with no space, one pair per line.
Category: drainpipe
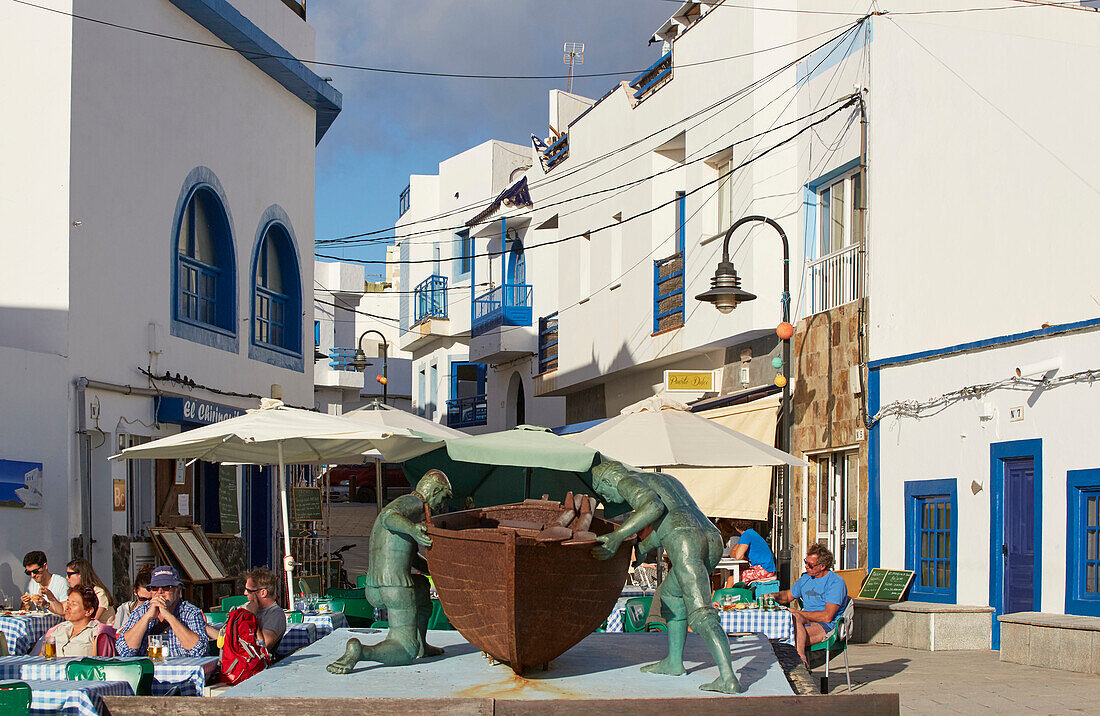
84,469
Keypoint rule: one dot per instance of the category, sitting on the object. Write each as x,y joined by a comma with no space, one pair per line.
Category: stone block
961,631
896,631
1014,646
919,631
1044,647
1075,650
1094,664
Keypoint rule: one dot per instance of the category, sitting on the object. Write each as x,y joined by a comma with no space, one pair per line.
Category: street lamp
725,293
360,361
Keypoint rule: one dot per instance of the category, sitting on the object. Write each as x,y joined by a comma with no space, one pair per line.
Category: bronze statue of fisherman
395,540
693,545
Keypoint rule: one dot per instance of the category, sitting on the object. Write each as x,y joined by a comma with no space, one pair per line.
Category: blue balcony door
517,267
1019,535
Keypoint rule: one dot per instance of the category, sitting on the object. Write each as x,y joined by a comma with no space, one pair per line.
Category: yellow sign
120,494
694,381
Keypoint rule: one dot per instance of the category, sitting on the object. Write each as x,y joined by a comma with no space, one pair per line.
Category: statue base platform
602,666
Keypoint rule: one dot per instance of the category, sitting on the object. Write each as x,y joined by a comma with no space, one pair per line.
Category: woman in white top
76,636
79,572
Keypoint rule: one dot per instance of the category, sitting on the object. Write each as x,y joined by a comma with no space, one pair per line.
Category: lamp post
725,293
360,361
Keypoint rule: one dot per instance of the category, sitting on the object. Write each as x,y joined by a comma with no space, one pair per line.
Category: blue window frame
1083,542
276,294
204,290
931,539
464,246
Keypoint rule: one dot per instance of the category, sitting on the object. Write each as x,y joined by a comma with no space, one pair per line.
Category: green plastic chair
295,617
836,643
380,625
438,619
216,618
358,611
637,609
337,605
15,699
234,601
361,581
138,672
742,594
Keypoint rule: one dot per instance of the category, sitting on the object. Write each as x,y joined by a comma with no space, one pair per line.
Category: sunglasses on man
33,572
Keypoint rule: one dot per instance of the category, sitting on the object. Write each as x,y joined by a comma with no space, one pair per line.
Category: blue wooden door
1019,535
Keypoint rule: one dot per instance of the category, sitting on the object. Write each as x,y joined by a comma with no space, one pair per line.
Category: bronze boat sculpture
519,591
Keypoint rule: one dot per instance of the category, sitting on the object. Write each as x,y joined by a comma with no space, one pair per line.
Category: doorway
837,498
1015,550
517,408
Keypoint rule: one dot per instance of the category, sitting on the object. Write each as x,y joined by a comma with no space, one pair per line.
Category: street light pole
360,361
725,294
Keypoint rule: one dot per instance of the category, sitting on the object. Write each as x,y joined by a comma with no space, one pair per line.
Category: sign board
227,499
689,381
172,409
886,584
118,493
307,503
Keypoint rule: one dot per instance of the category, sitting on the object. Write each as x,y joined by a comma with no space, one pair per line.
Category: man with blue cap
180,623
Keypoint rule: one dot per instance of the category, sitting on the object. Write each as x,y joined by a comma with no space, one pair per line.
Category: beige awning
737,492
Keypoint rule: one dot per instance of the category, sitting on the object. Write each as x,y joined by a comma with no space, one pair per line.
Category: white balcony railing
834,280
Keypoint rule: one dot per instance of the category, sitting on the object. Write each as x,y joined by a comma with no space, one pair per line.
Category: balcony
556,153
548,343
341,359
467,412
835,279
430,298
404,202
651,79
507,305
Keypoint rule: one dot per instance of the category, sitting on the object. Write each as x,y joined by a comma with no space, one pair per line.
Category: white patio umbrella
271,435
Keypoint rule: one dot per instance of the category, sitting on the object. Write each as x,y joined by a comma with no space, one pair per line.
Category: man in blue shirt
181,623
824,596
751,546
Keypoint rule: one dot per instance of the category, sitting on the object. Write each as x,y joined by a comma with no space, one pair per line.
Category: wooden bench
1055,641
923,625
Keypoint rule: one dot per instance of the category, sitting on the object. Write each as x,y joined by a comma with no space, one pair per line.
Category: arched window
204,290
277,292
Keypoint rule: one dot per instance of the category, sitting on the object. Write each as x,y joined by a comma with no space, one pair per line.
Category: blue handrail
656,73
431,298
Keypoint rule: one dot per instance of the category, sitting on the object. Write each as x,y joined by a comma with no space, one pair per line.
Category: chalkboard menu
227,499
886,584
307,503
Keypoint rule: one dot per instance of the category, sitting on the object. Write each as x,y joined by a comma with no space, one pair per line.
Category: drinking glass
156,648
49,647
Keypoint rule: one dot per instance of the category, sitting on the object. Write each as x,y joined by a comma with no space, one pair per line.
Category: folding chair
15,699
637,609
837,643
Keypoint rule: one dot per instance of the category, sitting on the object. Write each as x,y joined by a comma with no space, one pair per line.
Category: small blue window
465,246
277,297
1083,543
931,527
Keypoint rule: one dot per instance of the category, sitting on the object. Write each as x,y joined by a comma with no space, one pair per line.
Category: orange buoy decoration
784,330
381,379
780,380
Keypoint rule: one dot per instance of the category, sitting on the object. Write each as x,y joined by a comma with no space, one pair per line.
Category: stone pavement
963,682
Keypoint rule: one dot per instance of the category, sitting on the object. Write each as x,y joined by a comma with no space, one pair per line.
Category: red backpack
243,653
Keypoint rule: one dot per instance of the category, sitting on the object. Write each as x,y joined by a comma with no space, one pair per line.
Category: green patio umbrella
503,467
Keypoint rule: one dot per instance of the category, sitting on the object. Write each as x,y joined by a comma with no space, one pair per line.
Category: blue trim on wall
289,358
915,489
256,46
984,343
1077,483
998,453
214,336
833,53
874,508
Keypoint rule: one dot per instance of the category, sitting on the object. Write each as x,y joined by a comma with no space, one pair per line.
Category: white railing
834,280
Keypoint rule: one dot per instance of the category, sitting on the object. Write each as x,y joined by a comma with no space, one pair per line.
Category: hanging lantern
784,330
780,380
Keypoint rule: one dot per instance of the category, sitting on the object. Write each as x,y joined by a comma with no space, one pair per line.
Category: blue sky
392,126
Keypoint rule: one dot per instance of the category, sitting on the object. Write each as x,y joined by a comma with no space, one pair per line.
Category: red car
360,480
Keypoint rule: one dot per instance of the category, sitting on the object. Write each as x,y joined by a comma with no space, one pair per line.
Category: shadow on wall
34,329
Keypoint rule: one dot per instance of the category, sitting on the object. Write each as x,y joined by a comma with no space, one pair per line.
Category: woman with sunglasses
79,572
141,595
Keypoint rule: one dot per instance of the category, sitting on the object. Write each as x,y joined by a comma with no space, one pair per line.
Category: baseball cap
164,576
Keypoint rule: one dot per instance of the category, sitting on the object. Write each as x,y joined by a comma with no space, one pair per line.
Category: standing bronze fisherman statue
395,540
693,545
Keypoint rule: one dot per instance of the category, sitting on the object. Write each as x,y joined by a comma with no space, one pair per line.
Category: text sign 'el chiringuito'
886,584
693,381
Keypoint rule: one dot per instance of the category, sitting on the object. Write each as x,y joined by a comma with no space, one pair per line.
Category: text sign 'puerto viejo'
689,381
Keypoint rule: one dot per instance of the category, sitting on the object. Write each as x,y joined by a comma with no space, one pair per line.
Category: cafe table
325,622
774,624
296,637
72,698
190,674
23,631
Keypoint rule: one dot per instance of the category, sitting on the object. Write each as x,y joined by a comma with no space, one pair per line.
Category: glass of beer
156,648
49,648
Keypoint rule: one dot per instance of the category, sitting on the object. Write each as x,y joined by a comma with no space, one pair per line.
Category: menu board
307,503
227,500
886,584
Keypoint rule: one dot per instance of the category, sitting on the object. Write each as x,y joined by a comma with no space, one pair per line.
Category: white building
157,242
452,273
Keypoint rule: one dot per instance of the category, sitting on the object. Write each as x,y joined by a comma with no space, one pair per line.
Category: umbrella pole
288,562
378,485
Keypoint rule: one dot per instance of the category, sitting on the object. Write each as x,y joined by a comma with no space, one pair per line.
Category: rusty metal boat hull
521,601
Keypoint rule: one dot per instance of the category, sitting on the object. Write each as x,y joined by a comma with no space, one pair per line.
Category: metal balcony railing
652,78
556,153
341,359
404,201
835,279
507,305
465,412
548,342
668,293
430,298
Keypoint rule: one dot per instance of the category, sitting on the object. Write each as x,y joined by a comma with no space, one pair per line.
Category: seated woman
79,572
141,595
76,636
751,546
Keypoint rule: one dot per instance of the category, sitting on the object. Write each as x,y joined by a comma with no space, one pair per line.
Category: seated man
180,622
748,544
44,587
260,587
824,596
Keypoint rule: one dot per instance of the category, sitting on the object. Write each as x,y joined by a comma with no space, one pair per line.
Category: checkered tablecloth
73,698
776,624
296,637
326,622
189,673
23,632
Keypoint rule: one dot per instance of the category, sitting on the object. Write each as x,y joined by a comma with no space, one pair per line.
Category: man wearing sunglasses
43,585
824,597
166,614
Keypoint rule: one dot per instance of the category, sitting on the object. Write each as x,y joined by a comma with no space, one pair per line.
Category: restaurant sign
689,381
171,409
